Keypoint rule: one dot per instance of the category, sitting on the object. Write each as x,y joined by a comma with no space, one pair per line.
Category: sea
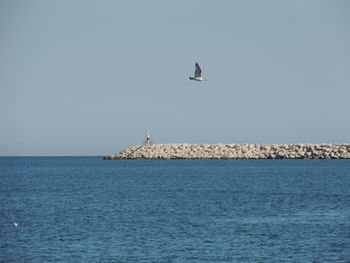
86,209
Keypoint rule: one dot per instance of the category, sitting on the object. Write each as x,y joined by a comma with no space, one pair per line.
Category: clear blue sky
90,77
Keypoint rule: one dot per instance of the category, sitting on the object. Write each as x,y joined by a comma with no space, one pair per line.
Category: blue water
91,210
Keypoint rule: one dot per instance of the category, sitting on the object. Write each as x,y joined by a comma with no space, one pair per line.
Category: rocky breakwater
235,151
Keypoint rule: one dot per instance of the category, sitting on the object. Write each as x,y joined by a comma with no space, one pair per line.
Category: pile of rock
235,151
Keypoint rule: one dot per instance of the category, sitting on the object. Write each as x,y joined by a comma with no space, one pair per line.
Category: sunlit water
92,210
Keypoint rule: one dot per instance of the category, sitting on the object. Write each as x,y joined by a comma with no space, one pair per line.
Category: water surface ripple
85,209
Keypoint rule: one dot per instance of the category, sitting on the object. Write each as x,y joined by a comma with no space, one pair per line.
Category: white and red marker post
148,141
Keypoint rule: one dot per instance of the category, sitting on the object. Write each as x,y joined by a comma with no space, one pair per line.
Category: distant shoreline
234,151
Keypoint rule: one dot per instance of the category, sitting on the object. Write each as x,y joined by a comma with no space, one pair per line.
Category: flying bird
15,223
198,74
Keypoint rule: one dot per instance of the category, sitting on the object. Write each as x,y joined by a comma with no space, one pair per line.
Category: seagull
15,223
197,74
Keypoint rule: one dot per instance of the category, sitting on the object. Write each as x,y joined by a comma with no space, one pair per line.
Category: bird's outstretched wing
198,71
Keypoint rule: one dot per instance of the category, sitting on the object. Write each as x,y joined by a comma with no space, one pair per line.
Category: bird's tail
191,78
